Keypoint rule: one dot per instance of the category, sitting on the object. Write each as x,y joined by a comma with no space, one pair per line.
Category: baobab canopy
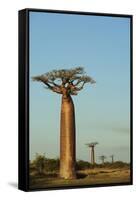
92,144
65,81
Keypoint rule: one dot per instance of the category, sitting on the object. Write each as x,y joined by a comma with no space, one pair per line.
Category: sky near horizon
102,46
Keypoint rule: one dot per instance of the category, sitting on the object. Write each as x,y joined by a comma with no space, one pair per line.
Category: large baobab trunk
67,139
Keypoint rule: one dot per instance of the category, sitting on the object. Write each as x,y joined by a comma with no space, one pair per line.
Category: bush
81,165
51,164
42,164
39,163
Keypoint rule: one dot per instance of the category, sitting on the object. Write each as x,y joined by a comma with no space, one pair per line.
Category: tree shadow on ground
81,175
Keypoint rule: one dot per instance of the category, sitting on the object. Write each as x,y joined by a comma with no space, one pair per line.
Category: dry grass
84,177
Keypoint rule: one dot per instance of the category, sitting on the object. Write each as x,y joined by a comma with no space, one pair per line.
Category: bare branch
82,80
57,90
81,87
43,79
54,84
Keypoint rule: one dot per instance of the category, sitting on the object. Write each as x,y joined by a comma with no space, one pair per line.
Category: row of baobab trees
92,154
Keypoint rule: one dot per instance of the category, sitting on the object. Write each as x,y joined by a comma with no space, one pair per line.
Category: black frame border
23,97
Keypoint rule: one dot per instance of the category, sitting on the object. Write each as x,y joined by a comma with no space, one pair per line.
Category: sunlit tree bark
67,139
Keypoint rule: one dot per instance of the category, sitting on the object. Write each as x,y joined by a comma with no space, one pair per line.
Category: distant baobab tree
112,158
92,153
66,82
102,158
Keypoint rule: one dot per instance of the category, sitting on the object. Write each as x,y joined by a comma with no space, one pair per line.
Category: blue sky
100,44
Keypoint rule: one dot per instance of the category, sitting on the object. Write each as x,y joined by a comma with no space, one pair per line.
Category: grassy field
84,177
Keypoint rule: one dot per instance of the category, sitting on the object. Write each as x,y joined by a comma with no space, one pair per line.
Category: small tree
39,163
102,158
52,165
66,82
112,159
81,165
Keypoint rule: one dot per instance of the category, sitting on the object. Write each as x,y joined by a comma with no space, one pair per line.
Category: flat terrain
84,177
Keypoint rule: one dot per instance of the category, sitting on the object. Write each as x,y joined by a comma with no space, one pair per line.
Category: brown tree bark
67,139
92,156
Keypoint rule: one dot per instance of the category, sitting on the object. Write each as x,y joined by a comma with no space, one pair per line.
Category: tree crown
102,157
92,144
65,81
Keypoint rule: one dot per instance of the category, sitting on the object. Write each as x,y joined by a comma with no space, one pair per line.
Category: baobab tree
112,158
92,153
102,158
66,82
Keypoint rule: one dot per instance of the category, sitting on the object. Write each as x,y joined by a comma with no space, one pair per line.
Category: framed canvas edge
23,98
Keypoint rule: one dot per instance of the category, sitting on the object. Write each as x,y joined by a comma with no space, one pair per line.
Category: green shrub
81,165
